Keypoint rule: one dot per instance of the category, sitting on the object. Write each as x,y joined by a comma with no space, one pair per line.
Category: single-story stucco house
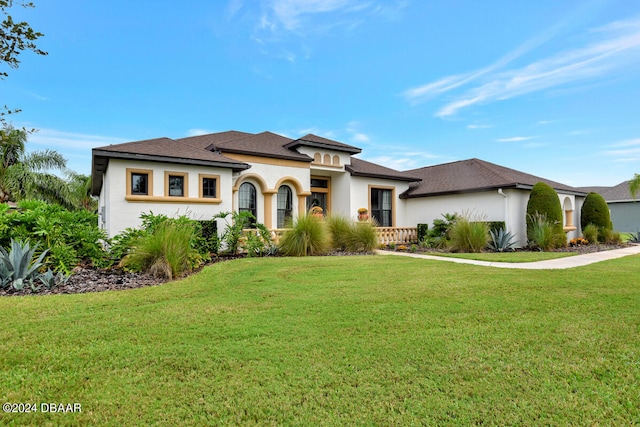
275,178
624,209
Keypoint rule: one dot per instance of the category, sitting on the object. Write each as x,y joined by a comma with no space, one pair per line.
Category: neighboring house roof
158,150
363,168
616,194
316,141
474,175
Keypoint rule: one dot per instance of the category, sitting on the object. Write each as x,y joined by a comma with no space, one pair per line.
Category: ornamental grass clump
469,236
363,237
590,233
167,252
542,233
307,235
340,228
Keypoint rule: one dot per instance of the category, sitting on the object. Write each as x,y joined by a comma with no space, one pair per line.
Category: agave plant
501,241
634,237
50,279
18,269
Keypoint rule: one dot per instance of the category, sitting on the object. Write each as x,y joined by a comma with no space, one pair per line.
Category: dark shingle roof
361,167
473,175
617,193
265,144
158,150
316,141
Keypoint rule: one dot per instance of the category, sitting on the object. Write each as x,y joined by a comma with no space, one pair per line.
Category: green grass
506,256
335,341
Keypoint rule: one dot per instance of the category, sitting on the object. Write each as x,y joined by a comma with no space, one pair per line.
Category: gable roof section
474,175
315,141
265,144
616,194
359,167
157,150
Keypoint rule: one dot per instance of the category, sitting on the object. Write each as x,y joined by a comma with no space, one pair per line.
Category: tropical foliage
70,237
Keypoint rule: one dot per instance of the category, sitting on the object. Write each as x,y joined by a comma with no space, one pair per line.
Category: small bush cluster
578,241
469,236
438,236
542,233
313,235
69,237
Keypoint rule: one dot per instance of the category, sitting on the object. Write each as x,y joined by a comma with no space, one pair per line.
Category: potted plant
363,214
317,211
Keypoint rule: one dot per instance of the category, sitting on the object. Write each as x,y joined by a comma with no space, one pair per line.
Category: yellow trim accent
264,189
293,181
171,199
185,183
201,176
247,158
149,173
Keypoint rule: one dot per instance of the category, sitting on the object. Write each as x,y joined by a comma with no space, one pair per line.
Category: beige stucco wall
120,213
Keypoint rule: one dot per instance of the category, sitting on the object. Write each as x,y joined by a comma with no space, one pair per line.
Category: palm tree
634,185
26,175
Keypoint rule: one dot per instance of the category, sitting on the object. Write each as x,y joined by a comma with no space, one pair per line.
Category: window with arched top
317,158
336,160
247,199
327,159
285,205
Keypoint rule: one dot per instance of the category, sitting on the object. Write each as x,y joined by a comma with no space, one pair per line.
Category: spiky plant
18,266
501,241
308,235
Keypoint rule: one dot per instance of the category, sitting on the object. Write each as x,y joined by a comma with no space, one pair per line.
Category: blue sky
551,88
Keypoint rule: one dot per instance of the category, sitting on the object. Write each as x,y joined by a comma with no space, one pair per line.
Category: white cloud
197,132
627,143
473,127
546,122
55,139
360,137
515,139
613,47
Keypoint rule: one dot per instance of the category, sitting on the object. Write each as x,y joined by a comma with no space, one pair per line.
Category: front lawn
335,341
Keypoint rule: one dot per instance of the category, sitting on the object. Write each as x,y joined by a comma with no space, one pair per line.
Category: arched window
247,199
336,160
285,205
317,158
327,159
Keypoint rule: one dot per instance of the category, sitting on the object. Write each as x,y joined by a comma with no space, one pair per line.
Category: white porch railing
386,235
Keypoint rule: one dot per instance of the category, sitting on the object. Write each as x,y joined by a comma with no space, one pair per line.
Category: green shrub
70,236
595,211
340,228
307,235
590,232
469,236
422,230
544,200
362,237
165,252
543,235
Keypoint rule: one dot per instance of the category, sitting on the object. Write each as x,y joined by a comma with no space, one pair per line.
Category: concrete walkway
552,264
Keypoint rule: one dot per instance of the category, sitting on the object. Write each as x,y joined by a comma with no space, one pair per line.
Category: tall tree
28,175
15,37
634,185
